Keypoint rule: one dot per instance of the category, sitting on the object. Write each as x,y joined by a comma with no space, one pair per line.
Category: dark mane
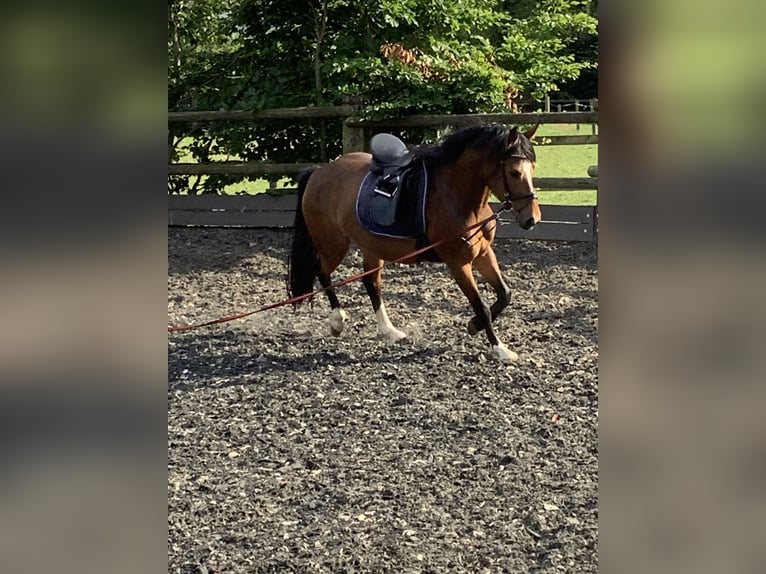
493,137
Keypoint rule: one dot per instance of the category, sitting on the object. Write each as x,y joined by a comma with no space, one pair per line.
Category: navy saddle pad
409,221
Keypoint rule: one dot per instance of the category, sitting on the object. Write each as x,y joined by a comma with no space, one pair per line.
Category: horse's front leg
373,284
486,264
463,274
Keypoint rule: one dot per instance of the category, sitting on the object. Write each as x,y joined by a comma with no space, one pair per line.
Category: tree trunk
320,19
174,28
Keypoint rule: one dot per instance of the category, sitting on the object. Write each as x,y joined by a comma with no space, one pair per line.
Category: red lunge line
345,281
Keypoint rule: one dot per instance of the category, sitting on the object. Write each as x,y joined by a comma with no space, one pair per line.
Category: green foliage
401,56
536,51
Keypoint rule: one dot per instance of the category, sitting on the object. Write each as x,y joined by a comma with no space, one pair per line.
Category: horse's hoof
393,335
505,354
337,319
472,330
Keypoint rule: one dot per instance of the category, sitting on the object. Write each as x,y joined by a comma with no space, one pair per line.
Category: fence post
593,103
577,109
547,104
353,136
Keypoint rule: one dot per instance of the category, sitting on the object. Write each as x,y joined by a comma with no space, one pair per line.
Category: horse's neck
465,182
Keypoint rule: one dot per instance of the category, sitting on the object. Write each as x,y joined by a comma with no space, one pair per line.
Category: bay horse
465,168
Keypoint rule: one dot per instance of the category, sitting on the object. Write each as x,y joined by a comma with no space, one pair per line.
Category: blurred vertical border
83,256
682,283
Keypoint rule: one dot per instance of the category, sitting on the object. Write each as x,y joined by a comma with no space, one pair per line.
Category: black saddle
393,203
391,159
388,151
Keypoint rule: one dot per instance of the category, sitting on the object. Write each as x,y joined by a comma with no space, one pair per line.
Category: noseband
508,203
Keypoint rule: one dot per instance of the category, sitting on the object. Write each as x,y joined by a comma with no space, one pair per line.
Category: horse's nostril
528,224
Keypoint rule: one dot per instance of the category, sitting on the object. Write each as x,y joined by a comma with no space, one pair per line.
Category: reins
345,281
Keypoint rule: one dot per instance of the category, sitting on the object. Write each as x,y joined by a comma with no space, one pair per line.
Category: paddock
290,450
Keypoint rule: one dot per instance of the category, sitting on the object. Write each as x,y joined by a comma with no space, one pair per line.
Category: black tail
303,264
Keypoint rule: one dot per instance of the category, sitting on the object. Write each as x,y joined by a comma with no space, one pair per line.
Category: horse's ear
530,133
513,137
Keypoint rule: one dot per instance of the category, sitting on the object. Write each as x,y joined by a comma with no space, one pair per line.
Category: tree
401,56
201,44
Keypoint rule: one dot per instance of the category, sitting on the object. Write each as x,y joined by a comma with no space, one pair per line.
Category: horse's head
512,182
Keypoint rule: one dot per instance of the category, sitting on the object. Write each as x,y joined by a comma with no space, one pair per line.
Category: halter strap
508,203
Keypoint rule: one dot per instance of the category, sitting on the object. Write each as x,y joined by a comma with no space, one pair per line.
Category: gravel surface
290,450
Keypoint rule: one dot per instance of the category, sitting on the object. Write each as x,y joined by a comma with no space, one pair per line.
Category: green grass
574,197
552,161
256,186
566,161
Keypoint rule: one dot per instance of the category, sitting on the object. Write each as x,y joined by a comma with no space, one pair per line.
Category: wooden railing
357,133
559,222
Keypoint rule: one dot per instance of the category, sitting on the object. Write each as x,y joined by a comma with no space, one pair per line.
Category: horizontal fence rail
566,223
421,120
232,210
466,120
272,114
565,183
238,168
566,140
559,223
256,168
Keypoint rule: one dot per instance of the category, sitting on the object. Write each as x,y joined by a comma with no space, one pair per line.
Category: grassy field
552,161
566,161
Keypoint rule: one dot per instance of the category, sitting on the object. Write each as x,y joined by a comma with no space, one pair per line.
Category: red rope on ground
345,281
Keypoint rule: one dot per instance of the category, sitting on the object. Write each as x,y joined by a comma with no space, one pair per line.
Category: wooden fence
559,222
357,134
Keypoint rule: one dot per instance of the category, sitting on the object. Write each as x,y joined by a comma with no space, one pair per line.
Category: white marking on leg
504,353
385,328
337,319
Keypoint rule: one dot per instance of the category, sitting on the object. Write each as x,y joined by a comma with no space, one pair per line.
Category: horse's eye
516,174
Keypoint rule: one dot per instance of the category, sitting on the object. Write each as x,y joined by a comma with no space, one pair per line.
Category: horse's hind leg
373,285
337,316
332,256
486,264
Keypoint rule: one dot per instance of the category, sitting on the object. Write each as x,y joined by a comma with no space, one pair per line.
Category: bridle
508,201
